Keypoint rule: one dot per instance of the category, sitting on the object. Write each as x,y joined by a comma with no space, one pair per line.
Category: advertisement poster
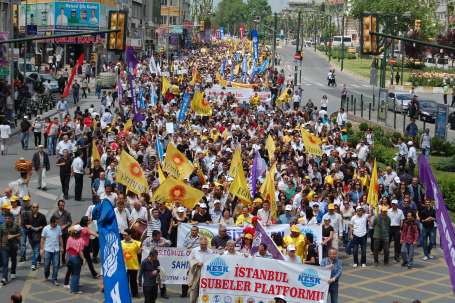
4,63
441,121
237,279
39,14
76,15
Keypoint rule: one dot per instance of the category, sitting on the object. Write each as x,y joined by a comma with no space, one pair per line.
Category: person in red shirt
75,251
409,237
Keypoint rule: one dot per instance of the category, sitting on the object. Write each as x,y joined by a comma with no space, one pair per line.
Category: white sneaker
425,258
13,276
431,257
33,267
67,286
354,265
364,265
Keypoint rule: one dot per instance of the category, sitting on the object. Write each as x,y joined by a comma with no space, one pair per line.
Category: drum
138,229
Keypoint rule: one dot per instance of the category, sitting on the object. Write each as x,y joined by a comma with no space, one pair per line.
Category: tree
258,9
388,9
231,13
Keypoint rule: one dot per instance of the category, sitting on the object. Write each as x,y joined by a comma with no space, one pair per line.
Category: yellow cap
248,236
384,208
26,198
257,200
295,229
13,198
6,205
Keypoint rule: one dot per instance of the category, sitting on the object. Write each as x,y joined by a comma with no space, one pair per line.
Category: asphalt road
428,281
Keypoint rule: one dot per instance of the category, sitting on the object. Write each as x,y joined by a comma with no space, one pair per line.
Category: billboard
77,15
39,14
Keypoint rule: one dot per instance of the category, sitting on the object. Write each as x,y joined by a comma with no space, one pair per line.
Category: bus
336,41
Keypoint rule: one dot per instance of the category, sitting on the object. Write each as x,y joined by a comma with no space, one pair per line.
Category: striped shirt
153,224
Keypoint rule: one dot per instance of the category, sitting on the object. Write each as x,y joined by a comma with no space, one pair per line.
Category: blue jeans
333,291
407,253
51,145
23,242
6,253
35,252
24,139
428,233
75,264
362,241
54,258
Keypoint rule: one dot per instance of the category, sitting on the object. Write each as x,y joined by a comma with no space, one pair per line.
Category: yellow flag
161,176
128,125
95,152
236,69
311,142
176,164
239,187
130,174
267,189
270,146
172,190
236,163
194,77
165,85
373,191
284,97
200,105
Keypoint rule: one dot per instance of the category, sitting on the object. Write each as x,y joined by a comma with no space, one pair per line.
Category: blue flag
244,68
253,71
159,149
153,95
231,78
221,33
255,37
141,98
223,68
261,68
114,272
183,107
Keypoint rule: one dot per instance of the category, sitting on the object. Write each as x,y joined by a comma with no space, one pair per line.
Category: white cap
288,207
180,209
205,186
216,201
77,227
410,143
394,201
291,247
202,205
396,179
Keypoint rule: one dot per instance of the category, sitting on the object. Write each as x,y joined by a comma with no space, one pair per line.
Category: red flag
79,62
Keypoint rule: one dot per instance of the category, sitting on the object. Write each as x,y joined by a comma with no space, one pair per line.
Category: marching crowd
331,190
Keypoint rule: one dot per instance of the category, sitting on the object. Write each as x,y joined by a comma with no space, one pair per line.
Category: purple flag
254,174
445,226
119,91
132,63
261,236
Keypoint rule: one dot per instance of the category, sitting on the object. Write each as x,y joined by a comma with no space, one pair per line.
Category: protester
51,246
409,238
334,265
130,250
41,165
148,274
9,242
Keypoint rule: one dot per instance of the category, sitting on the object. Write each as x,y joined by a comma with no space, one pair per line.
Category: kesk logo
309,278
217,267
216,299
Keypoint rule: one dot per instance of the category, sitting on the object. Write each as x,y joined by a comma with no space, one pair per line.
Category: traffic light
368,42
117,20
417,24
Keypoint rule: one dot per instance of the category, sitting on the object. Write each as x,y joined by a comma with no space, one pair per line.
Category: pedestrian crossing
320,84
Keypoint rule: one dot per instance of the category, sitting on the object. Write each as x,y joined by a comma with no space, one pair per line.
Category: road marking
46,195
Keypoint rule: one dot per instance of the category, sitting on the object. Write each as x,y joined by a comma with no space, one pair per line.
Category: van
336,41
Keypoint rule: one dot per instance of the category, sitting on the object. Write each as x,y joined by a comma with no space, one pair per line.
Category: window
164,2
137,10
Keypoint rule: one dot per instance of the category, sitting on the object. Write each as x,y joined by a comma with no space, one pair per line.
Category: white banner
238,279
241,94
235,232
174,263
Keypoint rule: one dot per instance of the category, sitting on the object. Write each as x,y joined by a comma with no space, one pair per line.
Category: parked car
398,101
452,120
428,110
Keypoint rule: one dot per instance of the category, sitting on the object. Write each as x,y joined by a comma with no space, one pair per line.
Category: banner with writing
237,279
241,94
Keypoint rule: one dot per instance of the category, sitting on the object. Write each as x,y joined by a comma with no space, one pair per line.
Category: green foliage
231,13
442,147
447,186
363,127
447,165
422,10
383,154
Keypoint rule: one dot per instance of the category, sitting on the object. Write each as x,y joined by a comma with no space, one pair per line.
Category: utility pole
330,37
297,42
342,42
275,21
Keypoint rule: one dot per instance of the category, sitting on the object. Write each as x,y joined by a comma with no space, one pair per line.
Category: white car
399,101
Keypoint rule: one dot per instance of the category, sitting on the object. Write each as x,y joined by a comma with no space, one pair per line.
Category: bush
363,127
442,147
447,165
383,154
447,186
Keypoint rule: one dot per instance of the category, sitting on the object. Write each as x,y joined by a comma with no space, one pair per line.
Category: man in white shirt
138,212
77,169
396,219
5,133
389,176
265,214
64,144
342,118
197,258
358,235
412,158
122,215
